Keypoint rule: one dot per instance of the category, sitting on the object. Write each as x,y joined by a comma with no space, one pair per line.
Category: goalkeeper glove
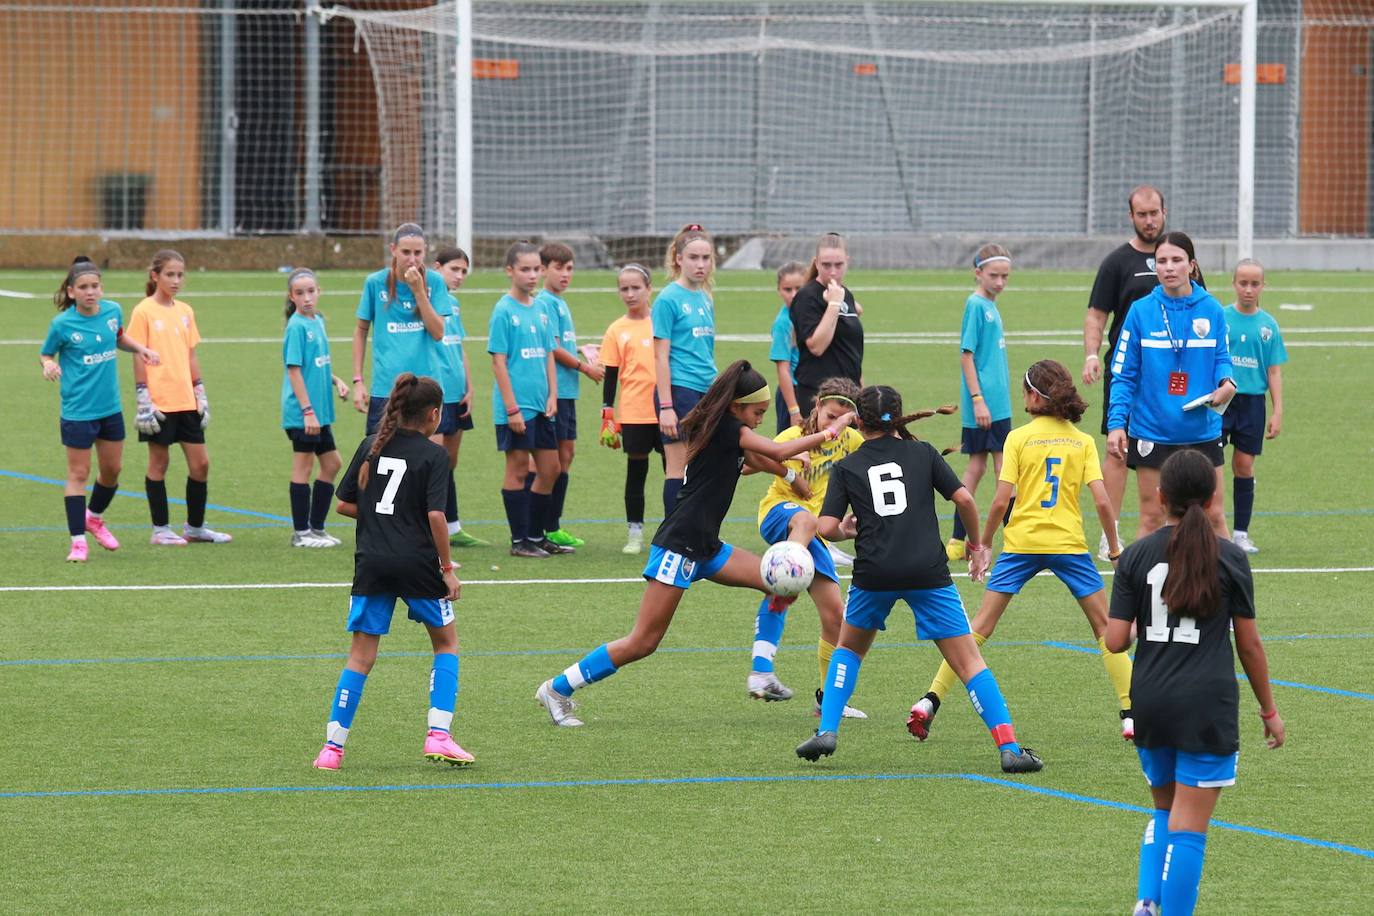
148,418
202,403
610,430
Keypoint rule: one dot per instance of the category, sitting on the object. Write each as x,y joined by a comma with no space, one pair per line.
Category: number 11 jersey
1183,686
890,484
395,552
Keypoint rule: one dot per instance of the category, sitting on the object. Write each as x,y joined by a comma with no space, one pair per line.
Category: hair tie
1031,386
693,227
838,397
761,396
977,263
886,418
407,231
639,269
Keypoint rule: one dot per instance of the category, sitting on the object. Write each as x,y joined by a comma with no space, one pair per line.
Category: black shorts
177,426
565,421
453,419
978,440
1141,453
1243,424
302,443
684,399
539,434
83,433
375,408
640,438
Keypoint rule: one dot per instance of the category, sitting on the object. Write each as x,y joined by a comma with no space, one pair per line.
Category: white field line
271,586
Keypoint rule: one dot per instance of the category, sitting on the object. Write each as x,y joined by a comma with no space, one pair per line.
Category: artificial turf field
161,706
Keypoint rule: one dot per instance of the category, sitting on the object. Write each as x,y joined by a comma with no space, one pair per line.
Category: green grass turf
228,688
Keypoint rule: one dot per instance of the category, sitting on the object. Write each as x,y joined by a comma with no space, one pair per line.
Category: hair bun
81,259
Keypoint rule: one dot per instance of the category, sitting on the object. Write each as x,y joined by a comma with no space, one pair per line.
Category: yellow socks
1118,665
823,652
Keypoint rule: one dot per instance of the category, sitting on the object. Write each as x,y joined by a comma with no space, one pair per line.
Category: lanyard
1176,346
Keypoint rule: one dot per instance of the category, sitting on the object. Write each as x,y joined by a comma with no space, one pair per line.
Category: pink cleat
95,527
441,748
78,554
331,755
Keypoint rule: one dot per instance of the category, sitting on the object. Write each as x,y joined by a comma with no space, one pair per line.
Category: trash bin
123,199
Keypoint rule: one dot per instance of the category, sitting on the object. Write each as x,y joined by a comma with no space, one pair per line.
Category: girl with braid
396,487
1045,465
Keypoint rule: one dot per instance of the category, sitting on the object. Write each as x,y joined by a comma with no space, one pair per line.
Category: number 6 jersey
890,484
395,552
1183,687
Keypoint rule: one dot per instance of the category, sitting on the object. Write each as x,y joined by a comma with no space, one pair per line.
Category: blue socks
443,691
1243,495
100,497
767,634
540,504
451,501
1152,847
988,702
347,695
671,486
560,495
1182,871
300,506
76,515
596,666
517,513
840,682
321,499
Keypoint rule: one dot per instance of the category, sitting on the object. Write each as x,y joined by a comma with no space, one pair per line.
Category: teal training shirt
306,345
523,333
561,323
982,336
784,341
452,375
1255,344
687,320
84,346
400,342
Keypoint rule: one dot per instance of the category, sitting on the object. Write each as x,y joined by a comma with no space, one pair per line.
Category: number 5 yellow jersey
1049,461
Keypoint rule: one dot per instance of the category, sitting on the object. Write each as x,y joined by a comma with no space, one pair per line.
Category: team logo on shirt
515,320
185,321
1149,264
322,361
309,335
76,337
986,314
1266,334
686,309
1201,326
113,325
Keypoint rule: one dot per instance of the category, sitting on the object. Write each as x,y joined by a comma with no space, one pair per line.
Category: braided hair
880,410
411,398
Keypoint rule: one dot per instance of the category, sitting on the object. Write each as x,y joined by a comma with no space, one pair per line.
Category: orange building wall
92,94
1334,160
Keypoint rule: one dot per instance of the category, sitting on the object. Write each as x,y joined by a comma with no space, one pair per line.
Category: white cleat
1127,725
203,535
1145,908
849,711
764,685
560,708
1242,540
325,536
307,539
839,557
166,537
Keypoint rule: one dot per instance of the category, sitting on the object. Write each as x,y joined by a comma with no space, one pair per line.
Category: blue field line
684,781
34,478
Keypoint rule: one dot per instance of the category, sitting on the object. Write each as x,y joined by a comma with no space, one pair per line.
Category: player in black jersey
720,438
1184,588
396,487
889,483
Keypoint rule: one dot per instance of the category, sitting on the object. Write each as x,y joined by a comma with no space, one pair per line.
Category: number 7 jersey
890,484
1049,461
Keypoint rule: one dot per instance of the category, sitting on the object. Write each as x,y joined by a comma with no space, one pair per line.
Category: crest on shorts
1266,334
1201,326
1143,447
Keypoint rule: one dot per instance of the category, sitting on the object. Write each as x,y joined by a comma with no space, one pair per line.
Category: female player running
456,379
172,404
627,353
80,351
1047,462
719,438
684,317
307,410
788,511
890,482
395,488
1182,589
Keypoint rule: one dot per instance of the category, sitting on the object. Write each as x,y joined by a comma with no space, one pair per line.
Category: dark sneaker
1024,762
528,549
550,548
922,714
821,744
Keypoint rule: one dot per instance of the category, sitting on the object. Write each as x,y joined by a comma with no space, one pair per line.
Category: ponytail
880,410
291,278
410,399
81,266
1192,587
697,428
1058,395
161,259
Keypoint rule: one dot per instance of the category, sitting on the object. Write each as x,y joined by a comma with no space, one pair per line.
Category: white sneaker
764,685
560,708
307,539
166,537
634,541
203,535
1242,540
839,557
326,536
849,711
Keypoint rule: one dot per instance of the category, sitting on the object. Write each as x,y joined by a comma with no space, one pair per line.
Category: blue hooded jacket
1145,356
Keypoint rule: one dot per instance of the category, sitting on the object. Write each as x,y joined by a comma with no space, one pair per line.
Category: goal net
631,119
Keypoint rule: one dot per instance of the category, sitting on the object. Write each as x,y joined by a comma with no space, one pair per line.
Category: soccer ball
787,569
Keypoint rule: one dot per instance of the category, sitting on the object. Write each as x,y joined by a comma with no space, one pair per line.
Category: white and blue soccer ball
787,569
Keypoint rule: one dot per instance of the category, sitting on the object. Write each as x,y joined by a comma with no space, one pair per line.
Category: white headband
988,260
1032,387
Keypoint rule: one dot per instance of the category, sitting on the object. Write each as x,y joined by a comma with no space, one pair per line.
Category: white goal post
602,47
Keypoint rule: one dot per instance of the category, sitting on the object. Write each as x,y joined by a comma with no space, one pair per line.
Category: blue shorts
939,612
372,613
684,399
978,440
774,529
565,421
456,416
539,434
1163,765
83,433
1243,424
674,569
1076,570
375,408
